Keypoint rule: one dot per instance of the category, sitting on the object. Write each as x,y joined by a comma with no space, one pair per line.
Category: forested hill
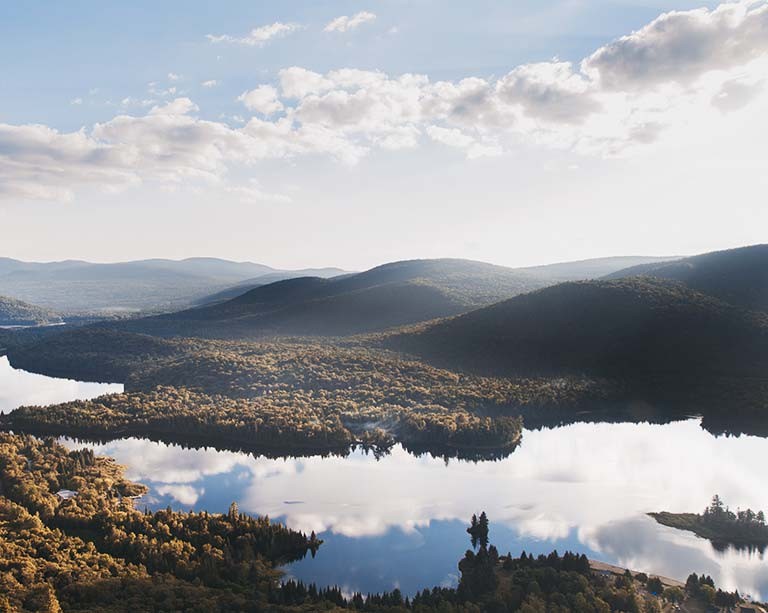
17,313
620,328
738,276
394,294
390,295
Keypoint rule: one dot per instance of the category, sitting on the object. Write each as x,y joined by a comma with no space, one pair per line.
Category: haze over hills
594,268
738,276
273,277
18,313
390,295
155,284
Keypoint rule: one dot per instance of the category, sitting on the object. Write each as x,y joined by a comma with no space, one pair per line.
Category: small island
742,529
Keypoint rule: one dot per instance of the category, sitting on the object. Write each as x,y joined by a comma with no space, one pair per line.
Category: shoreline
605,567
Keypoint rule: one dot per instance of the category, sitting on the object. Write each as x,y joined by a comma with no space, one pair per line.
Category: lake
18,387
399,521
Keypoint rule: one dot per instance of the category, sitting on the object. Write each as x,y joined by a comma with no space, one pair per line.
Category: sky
355,133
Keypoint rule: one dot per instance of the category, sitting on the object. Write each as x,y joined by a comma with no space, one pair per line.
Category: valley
284,376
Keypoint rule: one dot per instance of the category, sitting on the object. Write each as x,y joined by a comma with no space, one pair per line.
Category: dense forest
736,276
718,523
660,341
71,539
616,328
285,395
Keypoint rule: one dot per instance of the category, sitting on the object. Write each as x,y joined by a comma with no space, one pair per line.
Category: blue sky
62,51
536,157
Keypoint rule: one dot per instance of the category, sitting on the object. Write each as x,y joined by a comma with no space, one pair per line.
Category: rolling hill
386,296
623,328
17,313
737,276
155,284
273,277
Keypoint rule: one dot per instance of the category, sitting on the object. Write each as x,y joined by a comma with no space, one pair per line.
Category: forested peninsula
297,397
722,526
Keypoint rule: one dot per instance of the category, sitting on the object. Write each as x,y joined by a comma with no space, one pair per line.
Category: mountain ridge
738,276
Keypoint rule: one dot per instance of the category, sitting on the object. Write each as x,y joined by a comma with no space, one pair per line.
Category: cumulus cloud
262,100
210,83
344,23
550,91
297,82
681,46
676,78
258,37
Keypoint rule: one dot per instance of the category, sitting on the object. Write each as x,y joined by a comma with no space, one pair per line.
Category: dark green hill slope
626,328
390,295
738,276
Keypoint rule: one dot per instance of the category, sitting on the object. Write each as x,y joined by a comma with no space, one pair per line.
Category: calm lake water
399,521
18,387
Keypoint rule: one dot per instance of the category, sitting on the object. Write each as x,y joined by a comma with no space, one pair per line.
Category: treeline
287,395
80,550
721,525
277,422
95,552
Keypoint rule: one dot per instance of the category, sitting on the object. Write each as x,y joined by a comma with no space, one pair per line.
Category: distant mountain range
17,313
635,323
596,268
156,284
390,295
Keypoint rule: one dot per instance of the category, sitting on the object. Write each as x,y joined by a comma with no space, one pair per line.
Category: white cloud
172,76
297,82
450,136
258,37
612,103
76,101
345,23
210,83
185,494
262,100
550,91
180,106
130,101
681,46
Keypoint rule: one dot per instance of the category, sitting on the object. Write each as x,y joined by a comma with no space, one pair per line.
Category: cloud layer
678,75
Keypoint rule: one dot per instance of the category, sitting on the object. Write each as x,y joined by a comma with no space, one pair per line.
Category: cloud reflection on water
593,480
